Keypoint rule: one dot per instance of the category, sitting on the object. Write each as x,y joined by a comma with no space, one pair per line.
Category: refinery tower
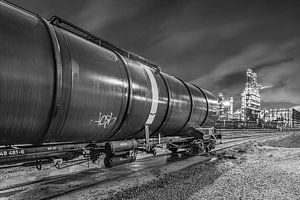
251,103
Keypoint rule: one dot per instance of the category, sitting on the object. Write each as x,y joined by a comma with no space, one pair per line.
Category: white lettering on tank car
12,152
104,120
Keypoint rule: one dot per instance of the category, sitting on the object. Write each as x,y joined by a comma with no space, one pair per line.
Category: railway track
58,178
119,177
249,136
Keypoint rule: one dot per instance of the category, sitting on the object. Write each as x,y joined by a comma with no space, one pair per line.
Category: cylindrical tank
118,160
26,77
116,146
56,86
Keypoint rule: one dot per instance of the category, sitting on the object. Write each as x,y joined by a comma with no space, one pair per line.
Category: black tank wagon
65,92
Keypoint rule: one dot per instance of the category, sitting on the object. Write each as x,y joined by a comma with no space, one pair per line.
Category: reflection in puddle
178,157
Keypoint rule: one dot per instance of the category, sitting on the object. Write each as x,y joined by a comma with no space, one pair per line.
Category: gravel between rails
176,185
258,172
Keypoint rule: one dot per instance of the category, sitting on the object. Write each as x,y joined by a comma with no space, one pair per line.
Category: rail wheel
38,165
173,150
195,149
108,161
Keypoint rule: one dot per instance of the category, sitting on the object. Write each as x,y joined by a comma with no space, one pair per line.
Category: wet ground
258,171
161,177
151,167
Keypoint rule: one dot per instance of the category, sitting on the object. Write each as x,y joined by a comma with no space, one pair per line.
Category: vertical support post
147,136
159,142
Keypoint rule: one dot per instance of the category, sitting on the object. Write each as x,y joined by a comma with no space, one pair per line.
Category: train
64,93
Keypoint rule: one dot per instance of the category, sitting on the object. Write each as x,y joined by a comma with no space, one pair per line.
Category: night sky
210,43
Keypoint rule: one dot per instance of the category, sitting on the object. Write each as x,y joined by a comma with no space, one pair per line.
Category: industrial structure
221,105
250,101
251,115
225,107
283,117
250,98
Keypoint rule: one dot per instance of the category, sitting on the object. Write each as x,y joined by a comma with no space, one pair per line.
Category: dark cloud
272,63
238,77
231,79
208,42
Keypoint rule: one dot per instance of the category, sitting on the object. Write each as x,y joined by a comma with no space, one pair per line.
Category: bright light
226,103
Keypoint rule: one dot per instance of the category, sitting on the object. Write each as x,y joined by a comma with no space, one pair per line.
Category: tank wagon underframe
61,84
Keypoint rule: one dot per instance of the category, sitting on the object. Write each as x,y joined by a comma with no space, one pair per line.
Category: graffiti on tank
104,120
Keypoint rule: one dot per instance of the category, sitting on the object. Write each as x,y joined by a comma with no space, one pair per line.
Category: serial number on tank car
12,152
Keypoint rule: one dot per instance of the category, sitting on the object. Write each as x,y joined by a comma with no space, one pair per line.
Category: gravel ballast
267,173
258,172
175,185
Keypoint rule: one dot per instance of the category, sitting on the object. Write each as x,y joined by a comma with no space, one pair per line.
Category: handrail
68,26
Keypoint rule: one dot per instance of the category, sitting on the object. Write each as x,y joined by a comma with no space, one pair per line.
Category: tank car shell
58,87
26,77
96,82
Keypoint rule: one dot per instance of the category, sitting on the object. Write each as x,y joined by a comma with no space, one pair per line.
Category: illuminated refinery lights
251,103
285,117
225,107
